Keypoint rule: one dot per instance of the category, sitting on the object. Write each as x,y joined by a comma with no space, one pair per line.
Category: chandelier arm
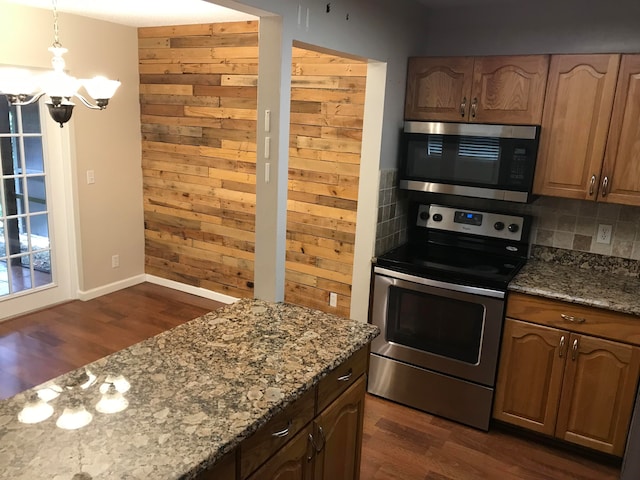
20,100
87,103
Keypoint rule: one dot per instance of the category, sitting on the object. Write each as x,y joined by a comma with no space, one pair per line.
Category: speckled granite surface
195,393
578,277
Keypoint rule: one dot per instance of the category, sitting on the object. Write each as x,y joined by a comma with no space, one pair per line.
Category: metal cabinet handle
574,350
605,186
463,107
323,440
347,377
561,346
284,432
311,449
474,107
572,319
592,185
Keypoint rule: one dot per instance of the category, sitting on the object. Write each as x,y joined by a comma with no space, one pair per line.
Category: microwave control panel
486,224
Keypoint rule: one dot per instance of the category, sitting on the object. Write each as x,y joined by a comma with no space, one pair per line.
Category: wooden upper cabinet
509,89
438,88
575,124
621,167
598,393
500,89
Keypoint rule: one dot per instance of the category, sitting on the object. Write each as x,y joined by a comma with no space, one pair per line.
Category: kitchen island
180,400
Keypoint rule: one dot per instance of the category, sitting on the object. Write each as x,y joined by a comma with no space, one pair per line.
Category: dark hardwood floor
399,443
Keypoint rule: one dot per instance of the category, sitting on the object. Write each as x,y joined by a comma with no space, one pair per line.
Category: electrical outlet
115,261
604,234
333,299
91,177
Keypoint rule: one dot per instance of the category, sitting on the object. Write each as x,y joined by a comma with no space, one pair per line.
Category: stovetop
466,247
453,264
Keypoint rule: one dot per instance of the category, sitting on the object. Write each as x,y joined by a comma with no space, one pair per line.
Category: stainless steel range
439,302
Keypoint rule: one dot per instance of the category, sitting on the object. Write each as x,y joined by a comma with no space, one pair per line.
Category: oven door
448,328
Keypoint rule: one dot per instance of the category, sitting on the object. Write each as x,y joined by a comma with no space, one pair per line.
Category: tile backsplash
573,225
558,222
392,213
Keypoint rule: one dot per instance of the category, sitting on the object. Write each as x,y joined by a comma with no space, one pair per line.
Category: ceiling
143,13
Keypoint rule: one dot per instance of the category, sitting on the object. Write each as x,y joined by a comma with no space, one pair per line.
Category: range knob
498,226
513,227
424,216
437,217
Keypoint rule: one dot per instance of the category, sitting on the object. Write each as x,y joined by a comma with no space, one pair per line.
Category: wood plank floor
399,443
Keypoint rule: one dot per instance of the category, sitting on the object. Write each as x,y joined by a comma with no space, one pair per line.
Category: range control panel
486,224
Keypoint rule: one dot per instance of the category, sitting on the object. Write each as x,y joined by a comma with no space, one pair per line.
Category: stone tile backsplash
392,213
573,225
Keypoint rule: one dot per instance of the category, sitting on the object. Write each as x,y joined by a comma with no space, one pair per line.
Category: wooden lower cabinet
339,428
291,462
573,386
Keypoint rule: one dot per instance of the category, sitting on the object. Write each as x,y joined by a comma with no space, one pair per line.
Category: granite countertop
193,392
594,280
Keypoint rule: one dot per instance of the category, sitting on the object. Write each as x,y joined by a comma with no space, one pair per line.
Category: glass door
33,273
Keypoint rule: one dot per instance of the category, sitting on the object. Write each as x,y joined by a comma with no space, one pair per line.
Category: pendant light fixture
22,87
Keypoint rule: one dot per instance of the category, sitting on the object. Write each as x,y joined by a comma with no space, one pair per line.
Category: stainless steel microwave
472,160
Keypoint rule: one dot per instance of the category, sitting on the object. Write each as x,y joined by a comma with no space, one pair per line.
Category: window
25,251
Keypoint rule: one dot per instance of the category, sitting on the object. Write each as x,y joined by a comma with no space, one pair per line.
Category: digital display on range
468,218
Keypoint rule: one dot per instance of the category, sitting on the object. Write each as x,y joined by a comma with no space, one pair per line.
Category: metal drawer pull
592,185
347,377
561,352
572,319
574,350
284,432
463,106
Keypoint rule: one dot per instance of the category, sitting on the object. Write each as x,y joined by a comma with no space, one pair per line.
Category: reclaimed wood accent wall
327,107
198,101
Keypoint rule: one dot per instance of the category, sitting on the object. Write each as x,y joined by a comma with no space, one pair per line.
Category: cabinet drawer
573,317
256,449
336,382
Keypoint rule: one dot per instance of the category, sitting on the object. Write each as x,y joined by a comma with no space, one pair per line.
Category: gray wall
541,26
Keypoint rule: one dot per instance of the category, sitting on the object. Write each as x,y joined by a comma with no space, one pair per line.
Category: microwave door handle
463,107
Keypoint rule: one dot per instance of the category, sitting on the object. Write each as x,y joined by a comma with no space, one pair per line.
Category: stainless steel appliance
474,160
439,302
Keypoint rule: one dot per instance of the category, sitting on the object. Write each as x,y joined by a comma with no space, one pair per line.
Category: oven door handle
485,292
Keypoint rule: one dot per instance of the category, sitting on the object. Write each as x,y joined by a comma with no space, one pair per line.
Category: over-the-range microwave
473,160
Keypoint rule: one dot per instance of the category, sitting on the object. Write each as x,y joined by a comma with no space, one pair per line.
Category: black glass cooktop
453,264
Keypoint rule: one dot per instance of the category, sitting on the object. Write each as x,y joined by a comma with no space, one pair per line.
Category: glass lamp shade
17,81
74,417
59,84
35,411
112,401
101,88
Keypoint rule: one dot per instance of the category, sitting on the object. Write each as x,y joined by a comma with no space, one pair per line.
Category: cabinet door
339,436
438,88
291,462
530,375
622,158
225,469
598,393
575,123
509,89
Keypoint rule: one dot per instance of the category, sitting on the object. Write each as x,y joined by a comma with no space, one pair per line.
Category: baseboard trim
110,288
182,287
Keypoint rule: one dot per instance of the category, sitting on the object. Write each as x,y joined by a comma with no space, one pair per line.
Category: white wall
109,216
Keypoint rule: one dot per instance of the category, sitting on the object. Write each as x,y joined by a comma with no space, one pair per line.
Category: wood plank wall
327,107
198,100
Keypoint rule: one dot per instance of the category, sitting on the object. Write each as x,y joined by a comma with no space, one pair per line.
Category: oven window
435,324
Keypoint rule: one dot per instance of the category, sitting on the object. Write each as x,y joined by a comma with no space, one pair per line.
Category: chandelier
22,87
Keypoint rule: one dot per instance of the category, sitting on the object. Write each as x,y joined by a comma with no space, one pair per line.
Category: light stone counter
195,393
594,280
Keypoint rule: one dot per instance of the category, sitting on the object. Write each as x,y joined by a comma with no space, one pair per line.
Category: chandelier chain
56,34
